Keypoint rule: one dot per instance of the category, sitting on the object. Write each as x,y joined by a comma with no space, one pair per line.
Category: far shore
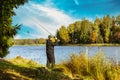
99,44
31,45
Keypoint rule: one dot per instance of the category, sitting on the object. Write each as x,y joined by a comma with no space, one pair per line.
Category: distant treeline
101,30
29,41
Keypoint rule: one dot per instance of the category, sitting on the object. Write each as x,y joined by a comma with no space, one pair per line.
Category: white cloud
34,15
76,2
18,37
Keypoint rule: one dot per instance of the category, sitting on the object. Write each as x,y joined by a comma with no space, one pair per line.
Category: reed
97,67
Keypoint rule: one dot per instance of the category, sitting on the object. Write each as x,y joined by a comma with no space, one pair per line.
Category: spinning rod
43,27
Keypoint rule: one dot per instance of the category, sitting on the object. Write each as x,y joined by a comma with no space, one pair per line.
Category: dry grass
96,67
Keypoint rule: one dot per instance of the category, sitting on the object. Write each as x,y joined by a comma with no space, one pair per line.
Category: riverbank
31,45
78,67
23,69
104,44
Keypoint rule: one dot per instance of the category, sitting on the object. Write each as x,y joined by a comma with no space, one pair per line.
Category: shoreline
104,44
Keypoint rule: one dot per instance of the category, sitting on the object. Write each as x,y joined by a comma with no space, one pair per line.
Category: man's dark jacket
50,51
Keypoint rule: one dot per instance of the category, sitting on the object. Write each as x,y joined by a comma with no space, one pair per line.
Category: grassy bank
77,67
23,69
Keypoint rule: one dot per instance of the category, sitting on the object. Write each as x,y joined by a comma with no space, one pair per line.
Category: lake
62,53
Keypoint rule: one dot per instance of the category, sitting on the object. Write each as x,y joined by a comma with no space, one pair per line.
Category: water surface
62,53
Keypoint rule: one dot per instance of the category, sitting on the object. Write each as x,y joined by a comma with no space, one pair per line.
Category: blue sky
52,14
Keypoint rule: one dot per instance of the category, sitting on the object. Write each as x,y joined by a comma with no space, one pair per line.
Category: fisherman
50,43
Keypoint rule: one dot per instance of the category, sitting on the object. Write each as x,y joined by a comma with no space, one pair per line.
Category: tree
74,31
105,28
118,18
95,31
116,37
93,36
7,31
63,35
71,31
86,28
77,31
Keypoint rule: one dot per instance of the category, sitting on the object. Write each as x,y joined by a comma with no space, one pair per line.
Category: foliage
104,30
85,31
96,67
116,37
74,32
63,34
93,36
7,31
29,41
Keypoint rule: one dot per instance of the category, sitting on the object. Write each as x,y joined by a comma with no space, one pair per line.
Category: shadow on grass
10,71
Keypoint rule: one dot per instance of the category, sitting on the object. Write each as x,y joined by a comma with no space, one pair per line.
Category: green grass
23,69
19,61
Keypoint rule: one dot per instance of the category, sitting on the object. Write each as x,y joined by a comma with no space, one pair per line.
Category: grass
23,69
96,67
78,67
19,61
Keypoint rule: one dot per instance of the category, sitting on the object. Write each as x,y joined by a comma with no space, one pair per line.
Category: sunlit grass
78,66
24,62
23,69
96,67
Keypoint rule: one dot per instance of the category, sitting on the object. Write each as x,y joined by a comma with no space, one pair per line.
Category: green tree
86,28
105,28
57,34
118,18
63,35
95,33
77,25
112,29
7,31
74,31
71,31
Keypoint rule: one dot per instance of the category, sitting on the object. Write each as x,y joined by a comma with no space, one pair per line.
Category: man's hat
49,36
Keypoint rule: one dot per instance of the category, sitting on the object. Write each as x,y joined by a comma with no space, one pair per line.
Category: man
50,43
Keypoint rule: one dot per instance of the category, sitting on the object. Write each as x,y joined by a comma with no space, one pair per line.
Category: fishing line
43,27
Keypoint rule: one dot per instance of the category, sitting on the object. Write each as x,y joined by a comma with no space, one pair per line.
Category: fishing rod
42,27
45,29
